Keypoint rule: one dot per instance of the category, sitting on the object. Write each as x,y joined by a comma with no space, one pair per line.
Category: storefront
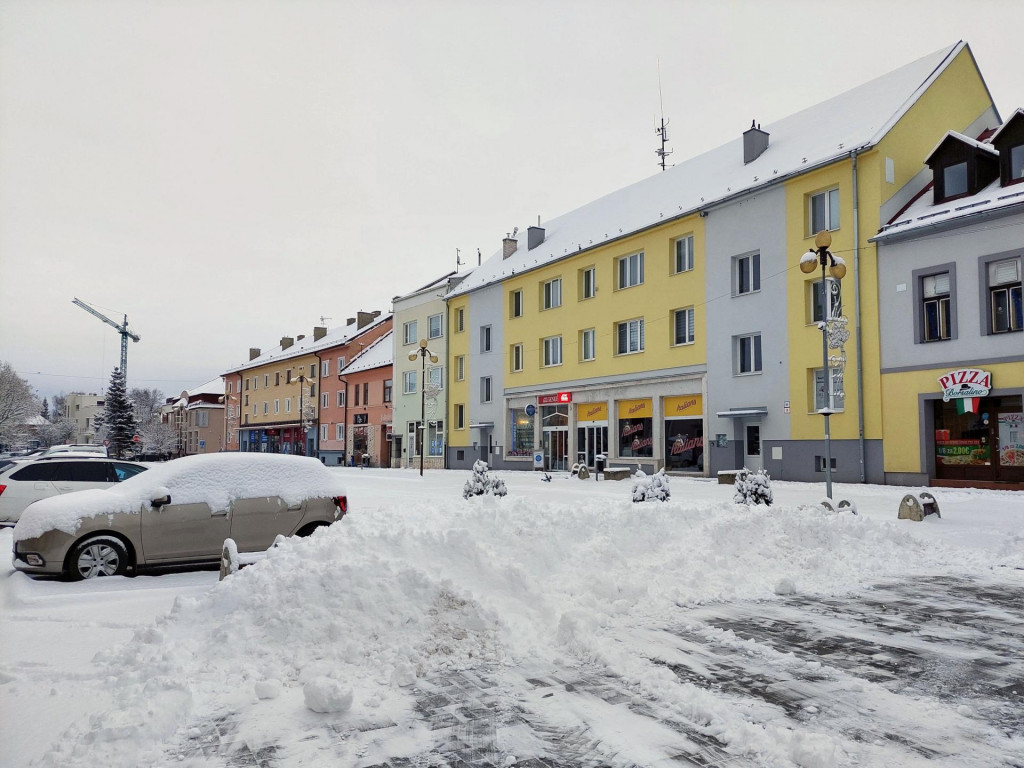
976,435
554,420
591,432
635,428
684,433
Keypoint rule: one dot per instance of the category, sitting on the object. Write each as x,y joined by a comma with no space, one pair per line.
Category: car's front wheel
98,556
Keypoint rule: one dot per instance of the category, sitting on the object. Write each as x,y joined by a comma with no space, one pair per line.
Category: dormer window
1016,163
962,166
1009,141
954,180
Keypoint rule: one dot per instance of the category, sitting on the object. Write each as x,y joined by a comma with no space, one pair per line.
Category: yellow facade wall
271,385
458,390
661,293
902,433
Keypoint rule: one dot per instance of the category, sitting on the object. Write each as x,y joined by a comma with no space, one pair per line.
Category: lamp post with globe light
809,262
423,354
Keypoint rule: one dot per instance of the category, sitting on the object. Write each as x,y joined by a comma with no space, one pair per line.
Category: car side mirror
161,501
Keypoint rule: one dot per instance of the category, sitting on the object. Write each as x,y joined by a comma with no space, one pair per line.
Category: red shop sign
561,397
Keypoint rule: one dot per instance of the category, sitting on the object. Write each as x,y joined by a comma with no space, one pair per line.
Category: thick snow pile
346,620
217,479
651,487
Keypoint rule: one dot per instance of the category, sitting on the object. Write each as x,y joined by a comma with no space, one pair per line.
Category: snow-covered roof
923,213
308,344
816,136
377,355
212,387
1016,114
985,146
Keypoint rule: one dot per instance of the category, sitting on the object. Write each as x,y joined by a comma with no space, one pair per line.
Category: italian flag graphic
967,405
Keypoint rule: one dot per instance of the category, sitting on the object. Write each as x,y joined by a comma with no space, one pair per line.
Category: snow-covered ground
559,625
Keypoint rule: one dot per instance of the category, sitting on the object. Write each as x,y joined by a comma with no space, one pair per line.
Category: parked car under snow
178,513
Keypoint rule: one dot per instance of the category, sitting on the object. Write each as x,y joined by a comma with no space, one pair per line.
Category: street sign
106,443
136,439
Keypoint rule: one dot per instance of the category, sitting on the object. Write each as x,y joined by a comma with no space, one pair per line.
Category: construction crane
121,329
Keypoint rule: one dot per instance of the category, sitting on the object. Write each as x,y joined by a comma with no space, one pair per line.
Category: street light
302,413
423,353
809,262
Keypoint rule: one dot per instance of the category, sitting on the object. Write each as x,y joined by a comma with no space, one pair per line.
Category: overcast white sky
226,173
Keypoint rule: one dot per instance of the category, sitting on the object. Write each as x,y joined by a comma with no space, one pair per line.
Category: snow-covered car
23,482
78,448
176,513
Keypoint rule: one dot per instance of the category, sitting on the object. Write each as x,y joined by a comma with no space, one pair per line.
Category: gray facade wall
754,224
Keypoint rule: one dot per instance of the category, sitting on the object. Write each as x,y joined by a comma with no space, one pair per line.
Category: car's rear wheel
308,530
98,556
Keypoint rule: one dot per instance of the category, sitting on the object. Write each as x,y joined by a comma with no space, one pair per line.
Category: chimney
300,337
350,321
376,313
286,341
534,237
319,332
254,352
508,246
363,319
755,141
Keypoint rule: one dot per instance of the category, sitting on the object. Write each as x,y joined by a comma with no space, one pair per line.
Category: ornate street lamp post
423,353
809,262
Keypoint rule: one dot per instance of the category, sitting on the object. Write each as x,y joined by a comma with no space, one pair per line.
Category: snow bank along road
560,625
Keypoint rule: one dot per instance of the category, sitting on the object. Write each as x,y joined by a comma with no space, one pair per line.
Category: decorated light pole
423,353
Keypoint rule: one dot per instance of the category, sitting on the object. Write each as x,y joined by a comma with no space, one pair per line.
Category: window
552,294
356,390
823,211
833,399
230,387
460,320
460,368
287,405
553,351
460,416
246,387
255,382
325,400
287,376
936,309
341,364
485,338
409,333
435,377
485,389
312,391
1005,295
631,270
682,326
266,407
747,274
339,430
266,379
435,438
748,353
325,368
515,300
1017,163
203,417
629,337
516,357
277,406
434,328
683,248
587,343
408,382
323,431
388,387
312,370
954,180
588,283
277,378
366,393
822,307
341,399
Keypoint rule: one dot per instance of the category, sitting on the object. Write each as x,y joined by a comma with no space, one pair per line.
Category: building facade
201,421
368,381
83,409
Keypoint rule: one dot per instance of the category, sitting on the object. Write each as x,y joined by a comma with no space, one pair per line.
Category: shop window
435,438
823,211
1004,281
684,444
636,437
521,430
360,439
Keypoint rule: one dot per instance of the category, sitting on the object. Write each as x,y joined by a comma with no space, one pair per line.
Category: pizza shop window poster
636,428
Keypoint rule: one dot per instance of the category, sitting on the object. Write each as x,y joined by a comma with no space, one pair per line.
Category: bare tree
17,405
146,404
159,439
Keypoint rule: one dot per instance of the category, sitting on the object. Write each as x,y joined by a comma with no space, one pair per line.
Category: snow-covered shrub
650,487
481,483
753,488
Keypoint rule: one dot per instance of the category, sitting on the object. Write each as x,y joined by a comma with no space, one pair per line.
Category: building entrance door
752,447
590,441
556,448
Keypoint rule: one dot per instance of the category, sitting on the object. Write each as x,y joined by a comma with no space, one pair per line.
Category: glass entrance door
556,448
591,440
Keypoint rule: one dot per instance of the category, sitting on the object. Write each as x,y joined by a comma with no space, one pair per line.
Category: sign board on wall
635,409
560,397
591,412
967,386
684,407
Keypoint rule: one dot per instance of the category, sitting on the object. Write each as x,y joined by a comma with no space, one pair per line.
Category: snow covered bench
617,473
728,476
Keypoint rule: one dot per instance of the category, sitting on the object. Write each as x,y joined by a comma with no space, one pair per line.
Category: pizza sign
966,386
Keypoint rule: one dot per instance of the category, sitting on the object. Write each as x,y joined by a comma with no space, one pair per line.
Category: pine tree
117,422
45,413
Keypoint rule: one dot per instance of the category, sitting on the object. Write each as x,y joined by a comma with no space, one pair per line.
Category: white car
78,448
24,482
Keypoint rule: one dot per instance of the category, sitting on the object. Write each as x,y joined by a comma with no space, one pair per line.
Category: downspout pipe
856,310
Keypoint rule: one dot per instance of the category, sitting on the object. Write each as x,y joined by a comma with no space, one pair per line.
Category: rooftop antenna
662,130
323,320
479,258
458,260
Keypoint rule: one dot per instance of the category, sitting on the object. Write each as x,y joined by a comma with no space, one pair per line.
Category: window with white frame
325,368
826,304
230,387
631,270
682,326
823,211
460,368
435,376
588,283
435,438
587,345
341,398
408,382
388,386
325,399
683,252
747,353
485,389
936,316
287,405
629,337
266,407
266,379
832,399
254,409
341,364
551,294
1004,285
460,416
409,333
516,357
312,370
434,327
485,338
323,431
339,431
277,406
202,418
552,351
746,274
460,320
515,303
255,382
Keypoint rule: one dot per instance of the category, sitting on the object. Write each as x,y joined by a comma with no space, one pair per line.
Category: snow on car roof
216,479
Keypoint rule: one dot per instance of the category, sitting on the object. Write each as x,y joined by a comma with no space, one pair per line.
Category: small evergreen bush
481,483
753,488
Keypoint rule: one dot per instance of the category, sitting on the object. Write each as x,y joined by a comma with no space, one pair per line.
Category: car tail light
341,502
2,489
